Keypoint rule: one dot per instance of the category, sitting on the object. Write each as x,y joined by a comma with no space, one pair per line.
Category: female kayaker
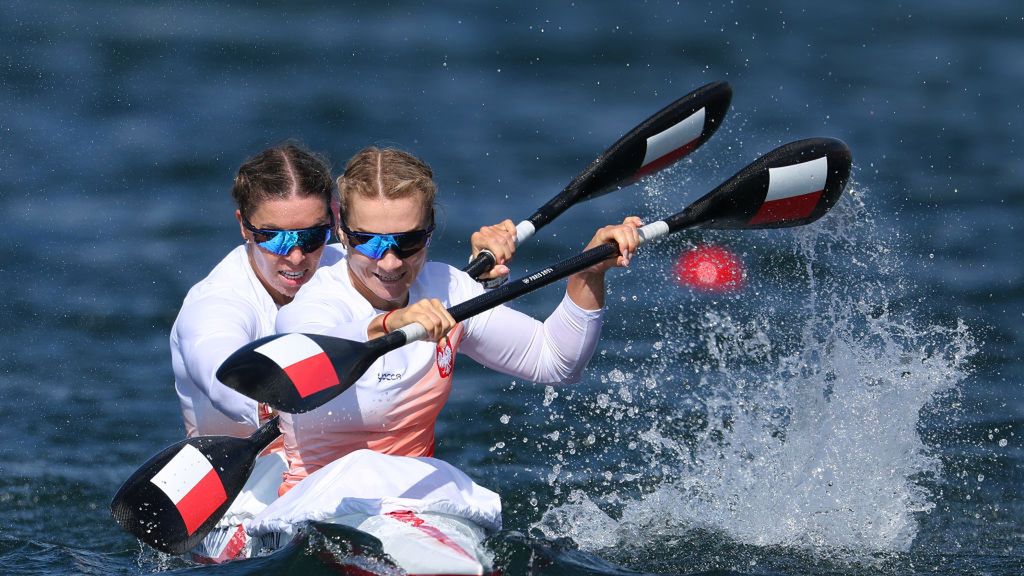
387,218
283,198
286,208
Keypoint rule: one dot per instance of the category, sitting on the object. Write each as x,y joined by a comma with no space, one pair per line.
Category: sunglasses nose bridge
295,254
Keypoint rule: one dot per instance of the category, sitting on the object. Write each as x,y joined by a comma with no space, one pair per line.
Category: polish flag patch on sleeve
673,143
793,191
303,360
190,481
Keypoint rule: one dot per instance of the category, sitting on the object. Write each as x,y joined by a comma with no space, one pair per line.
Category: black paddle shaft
517,288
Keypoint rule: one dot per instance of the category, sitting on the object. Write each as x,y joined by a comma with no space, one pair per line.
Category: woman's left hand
500,240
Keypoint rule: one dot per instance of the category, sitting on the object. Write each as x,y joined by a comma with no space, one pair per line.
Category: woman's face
385,283
282,276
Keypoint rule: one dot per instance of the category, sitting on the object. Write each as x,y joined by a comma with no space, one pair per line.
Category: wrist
384,321
492,283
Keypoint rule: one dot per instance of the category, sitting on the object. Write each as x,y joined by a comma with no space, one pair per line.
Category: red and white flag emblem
671,144
303,360
445,358
190,481
793,191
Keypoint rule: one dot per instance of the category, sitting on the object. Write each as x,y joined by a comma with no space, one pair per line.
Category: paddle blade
296,373
173,500
792,185
658,142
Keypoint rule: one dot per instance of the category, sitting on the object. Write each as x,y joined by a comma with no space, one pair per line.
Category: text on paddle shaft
537,276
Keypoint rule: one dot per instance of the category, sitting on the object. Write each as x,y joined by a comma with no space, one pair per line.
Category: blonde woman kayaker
386,282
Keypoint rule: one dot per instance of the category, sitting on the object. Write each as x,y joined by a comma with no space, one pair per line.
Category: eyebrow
276,227
344,223
355,231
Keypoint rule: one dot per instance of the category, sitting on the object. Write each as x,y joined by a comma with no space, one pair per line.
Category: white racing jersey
392,408
225,311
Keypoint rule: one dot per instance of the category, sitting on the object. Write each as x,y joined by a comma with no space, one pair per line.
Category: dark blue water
856,408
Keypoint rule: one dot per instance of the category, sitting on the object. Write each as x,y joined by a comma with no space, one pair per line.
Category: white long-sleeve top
392,408
225,311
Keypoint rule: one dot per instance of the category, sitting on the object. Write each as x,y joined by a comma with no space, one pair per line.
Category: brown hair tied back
280,173
386,173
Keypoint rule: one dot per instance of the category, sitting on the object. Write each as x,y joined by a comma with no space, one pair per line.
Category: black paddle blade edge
792,185
623,163
205,474
296,373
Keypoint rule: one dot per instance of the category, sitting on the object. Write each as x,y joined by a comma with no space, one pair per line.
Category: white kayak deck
429,516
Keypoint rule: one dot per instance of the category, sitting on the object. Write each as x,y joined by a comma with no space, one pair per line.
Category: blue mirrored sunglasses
281,242
372,245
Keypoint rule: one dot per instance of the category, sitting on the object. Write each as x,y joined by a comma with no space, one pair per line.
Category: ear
241,228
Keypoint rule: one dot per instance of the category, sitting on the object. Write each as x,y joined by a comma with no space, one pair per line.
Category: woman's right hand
586,287
500,241
429,313
626,236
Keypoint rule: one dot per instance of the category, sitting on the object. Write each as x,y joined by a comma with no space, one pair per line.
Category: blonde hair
386,173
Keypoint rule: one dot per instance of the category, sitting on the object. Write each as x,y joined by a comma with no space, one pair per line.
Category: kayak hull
420,543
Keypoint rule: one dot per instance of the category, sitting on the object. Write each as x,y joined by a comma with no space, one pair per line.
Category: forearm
556,350
586,290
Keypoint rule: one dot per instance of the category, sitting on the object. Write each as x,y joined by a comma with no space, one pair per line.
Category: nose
295,255
390,261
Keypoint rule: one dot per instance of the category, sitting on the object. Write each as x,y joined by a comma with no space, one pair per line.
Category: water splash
788,415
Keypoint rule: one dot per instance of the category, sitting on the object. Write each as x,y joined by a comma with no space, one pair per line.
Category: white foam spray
788,415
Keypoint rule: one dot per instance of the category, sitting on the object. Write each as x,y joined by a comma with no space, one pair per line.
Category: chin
392,297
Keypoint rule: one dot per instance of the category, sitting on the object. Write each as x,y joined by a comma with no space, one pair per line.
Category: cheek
359,264
267,262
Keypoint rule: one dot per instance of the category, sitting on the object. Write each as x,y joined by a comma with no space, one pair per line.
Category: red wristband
384,321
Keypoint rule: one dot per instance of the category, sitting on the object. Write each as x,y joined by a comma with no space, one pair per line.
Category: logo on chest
445,358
